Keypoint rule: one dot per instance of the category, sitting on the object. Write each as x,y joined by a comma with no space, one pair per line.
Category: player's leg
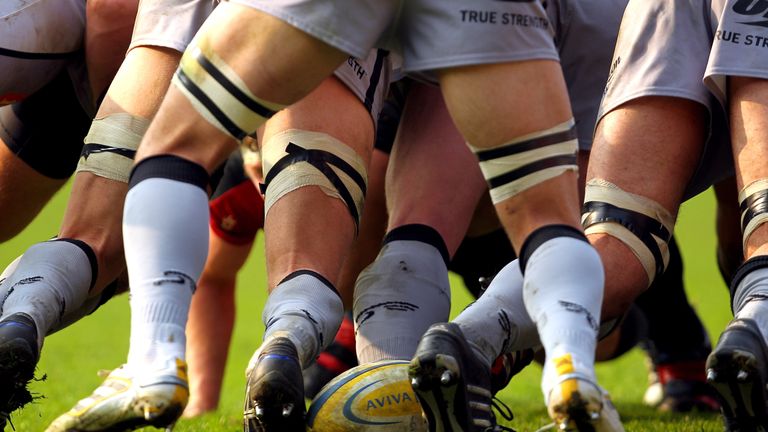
406,289
186,145
45,144
530,165
541,217
737,366
39,40
211,320
192,133
729,246
304,262
621,157
237,213
41,141
585,74
339,355
131,101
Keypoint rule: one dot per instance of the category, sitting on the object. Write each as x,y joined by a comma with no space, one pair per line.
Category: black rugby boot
274,396
18,358
738,369
452,385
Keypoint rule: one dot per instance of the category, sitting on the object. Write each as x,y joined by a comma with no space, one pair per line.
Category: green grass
72,357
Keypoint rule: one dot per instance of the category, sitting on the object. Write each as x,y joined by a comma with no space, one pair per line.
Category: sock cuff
88,251
169,167
744,270
543,235
313,274
421,233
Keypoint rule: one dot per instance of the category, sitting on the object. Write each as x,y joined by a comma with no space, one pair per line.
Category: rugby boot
685,388
128,400
576,403
452,384
18,357
737,370
337,358
274,396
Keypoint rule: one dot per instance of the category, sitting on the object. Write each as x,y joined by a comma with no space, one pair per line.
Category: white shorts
585,35
662,50
368,79
169,23
38,40
430,34
740,46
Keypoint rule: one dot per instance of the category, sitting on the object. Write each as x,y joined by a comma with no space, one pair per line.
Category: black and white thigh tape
528,160
753,203
219,94
640,223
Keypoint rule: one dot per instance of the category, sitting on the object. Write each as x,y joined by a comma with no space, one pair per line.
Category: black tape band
543,235
93,148
210,105
531,144
531,168
642,226
233,89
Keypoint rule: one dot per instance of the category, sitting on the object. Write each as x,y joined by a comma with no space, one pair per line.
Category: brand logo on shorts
752,8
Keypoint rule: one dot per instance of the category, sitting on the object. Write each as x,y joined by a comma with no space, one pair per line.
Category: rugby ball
371,397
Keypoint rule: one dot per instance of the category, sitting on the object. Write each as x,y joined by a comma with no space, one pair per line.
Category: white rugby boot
576,403
127,400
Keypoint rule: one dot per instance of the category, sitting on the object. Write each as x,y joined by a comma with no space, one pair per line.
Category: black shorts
46,130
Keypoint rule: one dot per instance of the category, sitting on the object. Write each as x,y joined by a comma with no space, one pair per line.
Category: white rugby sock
563,293
397,298
498,322
165,230
305,308
50,280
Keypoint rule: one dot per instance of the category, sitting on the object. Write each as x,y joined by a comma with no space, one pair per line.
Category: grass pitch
71,358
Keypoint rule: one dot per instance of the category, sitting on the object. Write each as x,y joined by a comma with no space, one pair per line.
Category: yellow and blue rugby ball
372,397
